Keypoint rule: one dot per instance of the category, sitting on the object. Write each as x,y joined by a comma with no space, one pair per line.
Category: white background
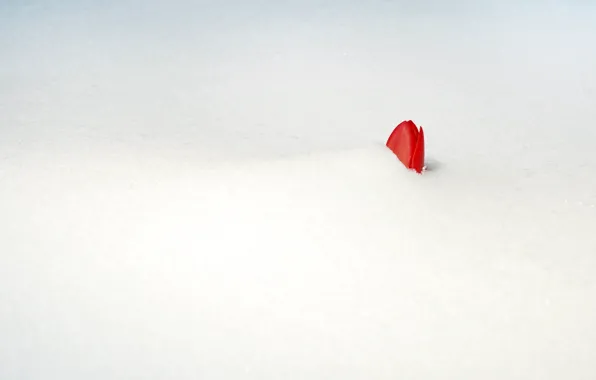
200,190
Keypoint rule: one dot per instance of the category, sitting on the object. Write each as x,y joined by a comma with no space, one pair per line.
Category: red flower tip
407,142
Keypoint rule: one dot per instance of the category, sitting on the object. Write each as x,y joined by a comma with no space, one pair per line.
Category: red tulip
408,145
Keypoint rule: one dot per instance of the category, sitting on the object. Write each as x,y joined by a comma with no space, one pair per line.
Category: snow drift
118,265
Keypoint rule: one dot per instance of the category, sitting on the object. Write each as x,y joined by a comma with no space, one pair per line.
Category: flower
408,145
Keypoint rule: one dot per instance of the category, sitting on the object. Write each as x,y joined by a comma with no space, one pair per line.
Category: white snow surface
200,190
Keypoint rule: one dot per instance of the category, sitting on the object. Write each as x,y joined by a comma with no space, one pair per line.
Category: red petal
417,162
403,141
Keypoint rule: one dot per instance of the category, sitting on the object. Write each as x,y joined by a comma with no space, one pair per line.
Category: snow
199,190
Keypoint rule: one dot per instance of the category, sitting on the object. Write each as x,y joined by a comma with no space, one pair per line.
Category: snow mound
331,265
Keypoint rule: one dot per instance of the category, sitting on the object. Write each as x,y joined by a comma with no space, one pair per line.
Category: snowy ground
193,190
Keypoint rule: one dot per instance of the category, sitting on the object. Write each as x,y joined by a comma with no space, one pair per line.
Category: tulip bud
407,142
